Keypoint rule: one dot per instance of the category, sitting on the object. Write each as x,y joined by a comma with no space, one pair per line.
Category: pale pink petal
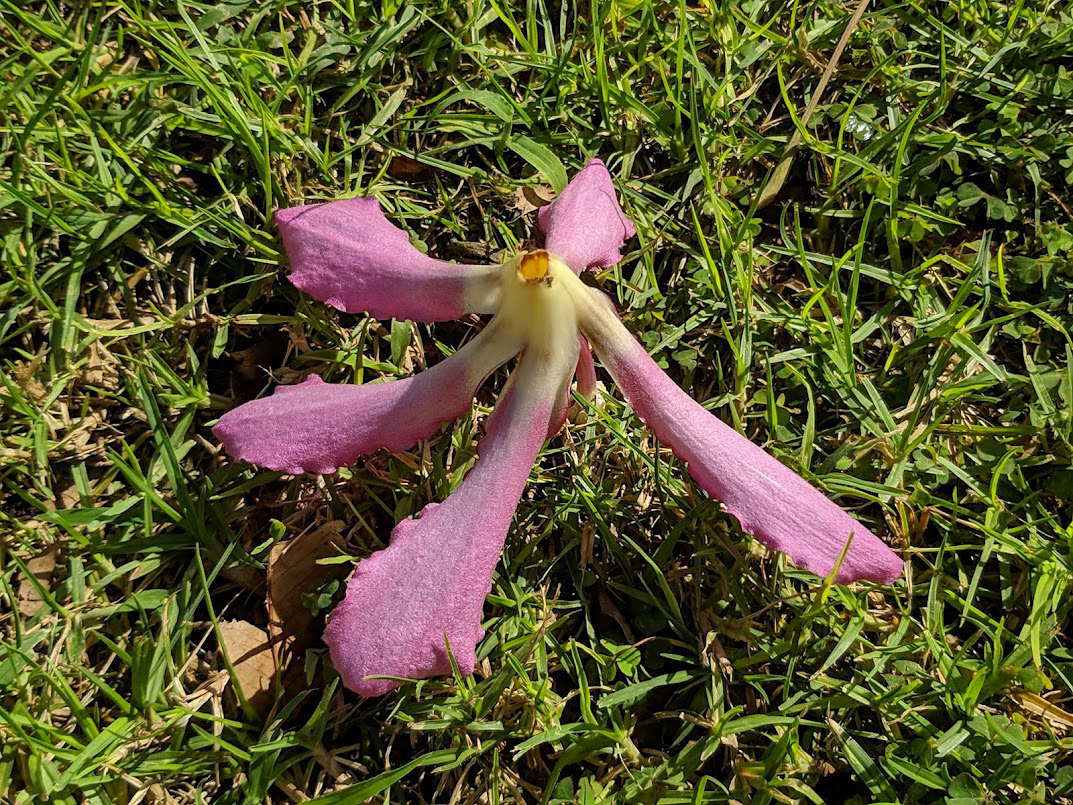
348,255
770,501
585,375
586,370
585,226
431,581
560,412
585,378
317,427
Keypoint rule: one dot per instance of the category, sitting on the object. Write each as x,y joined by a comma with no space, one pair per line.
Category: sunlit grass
895,325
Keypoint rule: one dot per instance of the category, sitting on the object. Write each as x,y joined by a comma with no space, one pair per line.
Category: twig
782,170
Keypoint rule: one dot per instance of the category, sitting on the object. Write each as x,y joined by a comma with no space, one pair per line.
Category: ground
854,239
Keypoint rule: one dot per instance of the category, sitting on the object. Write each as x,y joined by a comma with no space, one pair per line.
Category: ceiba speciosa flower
406,603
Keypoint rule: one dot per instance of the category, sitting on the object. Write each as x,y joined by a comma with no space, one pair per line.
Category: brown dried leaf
1039,706
70,497
292,572
101,370
42,567
26,375
408,169
469,250
252,367
267,352
527,198
250,652
118,324
607,607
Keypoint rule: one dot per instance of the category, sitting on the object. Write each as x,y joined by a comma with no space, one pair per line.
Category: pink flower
431,581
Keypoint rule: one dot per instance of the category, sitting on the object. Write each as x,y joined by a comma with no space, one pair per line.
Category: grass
895,324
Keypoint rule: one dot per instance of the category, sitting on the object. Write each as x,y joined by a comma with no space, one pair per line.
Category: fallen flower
431,581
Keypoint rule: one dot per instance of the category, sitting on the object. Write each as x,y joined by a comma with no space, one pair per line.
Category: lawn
854,246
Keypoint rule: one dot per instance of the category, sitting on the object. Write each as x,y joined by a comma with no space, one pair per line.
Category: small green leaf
548,165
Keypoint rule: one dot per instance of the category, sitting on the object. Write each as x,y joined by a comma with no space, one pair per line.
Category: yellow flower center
533,266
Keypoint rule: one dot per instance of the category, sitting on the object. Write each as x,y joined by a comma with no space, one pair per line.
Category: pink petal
318,427
769,500
431,581
560,413
585,226
585,377
348,255
586,370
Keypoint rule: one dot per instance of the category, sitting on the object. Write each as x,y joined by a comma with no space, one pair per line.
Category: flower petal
318,427
585,375
585,226
431,581
348,255
586,370
585,378
769,500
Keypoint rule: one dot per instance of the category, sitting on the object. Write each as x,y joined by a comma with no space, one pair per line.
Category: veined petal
317,427
585,226
770,500
431,581
348,255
